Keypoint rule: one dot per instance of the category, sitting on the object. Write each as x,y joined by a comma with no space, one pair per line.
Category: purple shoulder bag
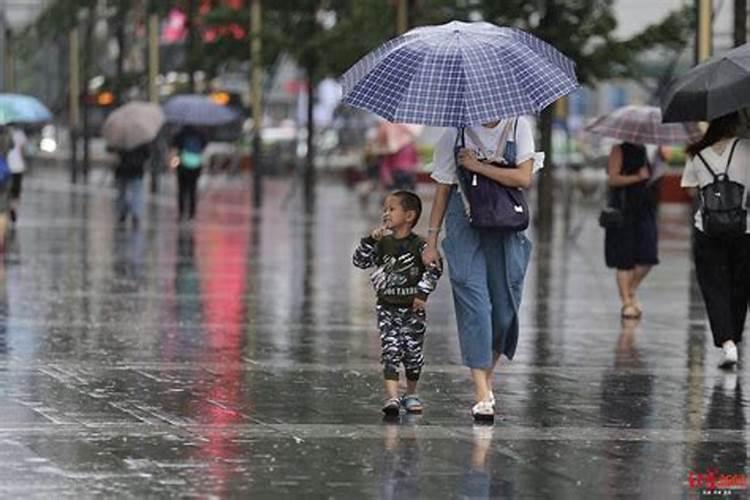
491,204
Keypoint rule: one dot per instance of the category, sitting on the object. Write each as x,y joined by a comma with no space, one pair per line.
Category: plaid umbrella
459,74
642,125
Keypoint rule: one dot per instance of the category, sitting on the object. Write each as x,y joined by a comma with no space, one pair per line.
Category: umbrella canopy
19,108
459,74
132,125
711,89
643,125
197,110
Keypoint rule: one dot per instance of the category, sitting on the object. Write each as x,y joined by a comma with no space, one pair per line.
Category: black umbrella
713,88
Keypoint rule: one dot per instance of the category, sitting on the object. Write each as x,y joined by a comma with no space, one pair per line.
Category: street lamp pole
153,92
74,84
704,35
402,16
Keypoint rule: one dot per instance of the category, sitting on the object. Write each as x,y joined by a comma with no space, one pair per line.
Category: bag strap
501,140
725,174
713,174
729,160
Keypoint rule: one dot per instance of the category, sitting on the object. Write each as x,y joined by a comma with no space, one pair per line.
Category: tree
584,30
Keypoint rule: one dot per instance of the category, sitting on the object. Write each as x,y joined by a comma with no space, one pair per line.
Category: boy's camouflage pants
401,339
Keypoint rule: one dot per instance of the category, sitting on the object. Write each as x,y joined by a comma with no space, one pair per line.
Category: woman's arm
520,177
430,255
614,168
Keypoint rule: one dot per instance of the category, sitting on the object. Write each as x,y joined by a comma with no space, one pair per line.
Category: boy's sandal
412,403
392,407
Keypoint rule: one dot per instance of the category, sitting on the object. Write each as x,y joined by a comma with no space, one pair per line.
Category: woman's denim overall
487,269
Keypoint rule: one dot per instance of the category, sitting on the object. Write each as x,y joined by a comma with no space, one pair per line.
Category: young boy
402,284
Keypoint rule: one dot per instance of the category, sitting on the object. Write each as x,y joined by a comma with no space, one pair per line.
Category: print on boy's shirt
394,273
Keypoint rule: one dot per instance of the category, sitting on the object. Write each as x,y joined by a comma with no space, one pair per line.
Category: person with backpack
718,170
189,144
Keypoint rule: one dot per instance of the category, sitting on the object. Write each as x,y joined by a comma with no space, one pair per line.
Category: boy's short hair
410,202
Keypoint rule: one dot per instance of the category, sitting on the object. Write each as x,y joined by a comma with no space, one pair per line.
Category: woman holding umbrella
466,76
631,245
722,264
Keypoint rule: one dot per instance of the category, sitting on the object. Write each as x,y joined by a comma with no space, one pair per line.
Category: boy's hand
379,232
418,304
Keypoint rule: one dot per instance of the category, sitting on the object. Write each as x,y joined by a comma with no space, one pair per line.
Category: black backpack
723,204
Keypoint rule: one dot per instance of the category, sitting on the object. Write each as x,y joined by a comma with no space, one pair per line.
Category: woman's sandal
483,411
629,311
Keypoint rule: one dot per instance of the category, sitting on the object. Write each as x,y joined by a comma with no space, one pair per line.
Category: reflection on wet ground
239,358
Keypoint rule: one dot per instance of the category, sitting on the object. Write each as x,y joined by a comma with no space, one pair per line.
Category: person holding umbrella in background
194,114
130,130
631,244
718,171
17,111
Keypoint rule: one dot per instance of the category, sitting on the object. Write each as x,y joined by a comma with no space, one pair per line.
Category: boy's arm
430,277
365,256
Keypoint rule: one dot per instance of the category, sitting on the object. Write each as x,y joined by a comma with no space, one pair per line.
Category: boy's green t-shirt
399,271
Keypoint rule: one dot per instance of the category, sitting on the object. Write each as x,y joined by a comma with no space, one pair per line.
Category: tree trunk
120,36
190,46
87,64
545,183
740,22
310,158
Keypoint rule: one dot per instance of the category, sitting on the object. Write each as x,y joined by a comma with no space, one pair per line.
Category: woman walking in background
631,248
17,165
722,263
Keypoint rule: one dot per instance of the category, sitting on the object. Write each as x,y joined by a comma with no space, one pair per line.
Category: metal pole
74,85
153,57
402,16
157,159
10,70
256,97
740,22
704,35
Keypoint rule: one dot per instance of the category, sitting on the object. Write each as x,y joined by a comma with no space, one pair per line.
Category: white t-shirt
696,175
16,163
444,165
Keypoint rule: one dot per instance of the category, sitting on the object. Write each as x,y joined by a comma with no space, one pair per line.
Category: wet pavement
239,358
